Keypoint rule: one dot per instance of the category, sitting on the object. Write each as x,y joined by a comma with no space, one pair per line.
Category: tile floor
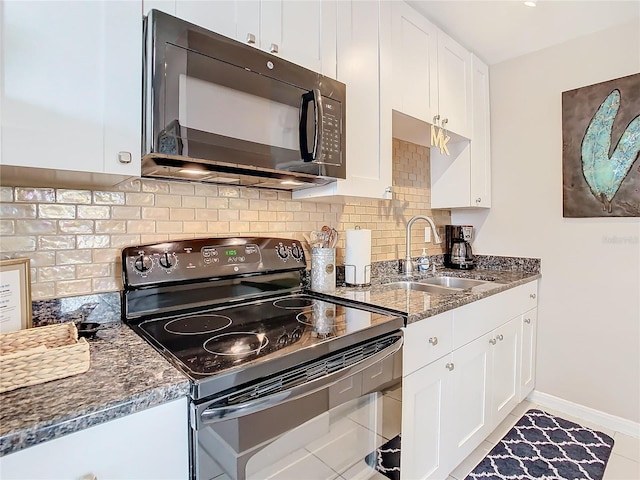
326,458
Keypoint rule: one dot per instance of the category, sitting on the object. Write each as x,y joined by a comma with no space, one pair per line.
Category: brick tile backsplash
74,237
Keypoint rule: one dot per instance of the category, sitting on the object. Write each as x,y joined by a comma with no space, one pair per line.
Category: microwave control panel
332,132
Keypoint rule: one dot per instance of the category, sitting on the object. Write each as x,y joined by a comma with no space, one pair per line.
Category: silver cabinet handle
433,341
500,337
435,119
273,48
450,366
492,341
527,320
444,122
478,200
532,295
251,38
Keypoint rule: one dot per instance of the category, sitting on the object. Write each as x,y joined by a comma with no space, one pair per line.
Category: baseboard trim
613,422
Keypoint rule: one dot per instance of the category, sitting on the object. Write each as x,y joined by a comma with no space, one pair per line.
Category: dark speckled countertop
417,305
126,376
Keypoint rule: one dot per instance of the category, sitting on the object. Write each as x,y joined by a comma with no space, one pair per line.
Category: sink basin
422,287
453,282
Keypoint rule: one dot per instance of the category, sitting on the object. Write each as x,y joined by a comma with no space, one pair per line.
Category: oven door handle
229,412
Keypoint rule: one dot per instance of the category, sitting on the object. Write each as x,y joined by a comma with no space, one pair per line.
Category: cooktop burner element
197,324
295,303
236,343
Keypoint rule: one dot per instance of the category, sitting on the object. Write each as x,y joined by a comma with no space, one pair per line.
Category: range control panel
189,260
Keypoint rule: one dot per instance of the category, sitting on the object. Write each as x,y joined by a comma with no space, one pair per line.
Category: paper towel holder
355,275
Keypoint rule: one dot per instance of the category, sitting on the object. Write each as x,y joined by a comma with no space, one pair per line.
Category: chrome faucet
408,263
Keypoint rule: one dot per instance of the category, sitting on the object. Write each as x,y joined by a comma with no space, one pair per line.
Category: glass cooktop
211,342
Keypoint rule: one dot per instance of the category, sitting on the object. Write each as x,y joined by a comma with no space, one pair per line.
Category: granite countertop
126,376
417,305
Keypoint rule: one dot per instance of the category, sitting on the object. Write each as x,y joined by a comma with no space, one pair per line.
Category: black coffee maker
458,252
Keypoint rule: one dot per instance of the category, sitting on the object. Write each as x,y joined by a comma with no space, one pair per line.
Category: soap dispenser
423,262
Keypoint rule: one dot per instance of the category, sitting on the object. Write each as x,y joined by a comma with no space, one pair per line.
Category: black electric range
230,311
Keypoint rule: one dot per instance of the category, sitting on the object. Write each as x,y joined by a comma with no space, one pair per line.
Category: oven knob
143,263
282,251
168,260
296,252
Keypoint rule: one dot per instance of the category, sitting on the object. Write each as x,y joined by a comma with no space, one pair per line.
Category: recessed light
530,3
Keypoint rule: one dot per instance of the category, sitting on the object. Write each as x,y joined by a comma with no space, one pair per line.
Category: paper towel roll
357,259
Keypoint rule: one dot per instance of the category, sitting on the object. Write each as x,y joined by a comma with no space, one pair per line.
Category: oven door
319,428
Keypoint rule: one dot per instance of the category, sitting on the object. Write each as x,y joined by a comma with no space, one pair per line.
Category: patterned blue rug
546,447
386,459
539,446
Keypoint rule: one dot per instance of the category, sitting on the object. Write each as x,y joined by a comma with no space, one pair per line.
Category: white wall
589,314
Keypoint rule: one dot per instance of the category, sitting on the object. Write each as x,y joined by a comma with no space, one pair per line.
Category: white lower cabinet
458,394
528,353
470,397
151,445
426,396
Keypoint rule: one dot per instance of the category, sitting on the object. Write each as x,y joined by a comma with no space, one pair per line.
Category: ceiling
500,30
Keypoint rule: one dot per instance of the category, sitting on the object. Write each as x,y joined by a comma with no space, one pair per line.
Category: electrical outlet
427,234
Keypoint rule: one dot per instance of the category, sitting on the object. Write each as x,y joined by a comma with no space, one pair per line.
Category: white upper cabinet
480,184
300,32
415,63
363,65
431,74
71,90
463,178
454,86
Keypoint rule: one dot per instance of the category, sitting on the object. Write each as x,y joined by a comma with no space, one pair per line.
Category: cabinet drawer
426,341
475,319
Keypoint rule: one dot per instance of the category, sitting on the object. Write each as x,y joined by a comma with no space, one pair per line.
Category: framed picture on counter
15,295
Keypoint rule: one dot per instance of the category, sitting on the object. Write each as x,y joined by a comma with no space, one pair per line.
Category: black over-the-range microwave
219,111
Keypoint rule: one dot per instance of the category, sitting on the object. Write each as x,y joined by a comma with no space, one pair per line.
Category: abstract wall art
600,147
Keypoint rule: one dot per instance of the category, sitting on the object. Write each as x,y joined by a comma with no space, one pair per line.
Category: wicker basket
41,354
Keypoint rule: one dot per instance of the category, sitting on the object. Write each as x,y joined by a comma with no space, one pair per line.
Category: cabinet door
364,68
470,397
295,31
415,63
72,85
454,85
481,134
505,370
232,18
528,353
150,444
425,413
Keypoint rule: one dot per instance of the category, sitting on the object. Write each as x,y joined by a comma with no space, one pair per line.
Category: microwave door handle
319,115
306,155
229,412
318,112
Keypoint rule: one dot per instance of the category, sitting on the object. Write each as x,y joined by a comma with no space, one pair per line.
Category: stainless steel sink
422,287
453,282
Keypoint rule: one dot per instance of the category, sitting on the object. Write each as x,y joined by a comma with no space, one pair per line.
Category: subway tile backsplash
74,237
